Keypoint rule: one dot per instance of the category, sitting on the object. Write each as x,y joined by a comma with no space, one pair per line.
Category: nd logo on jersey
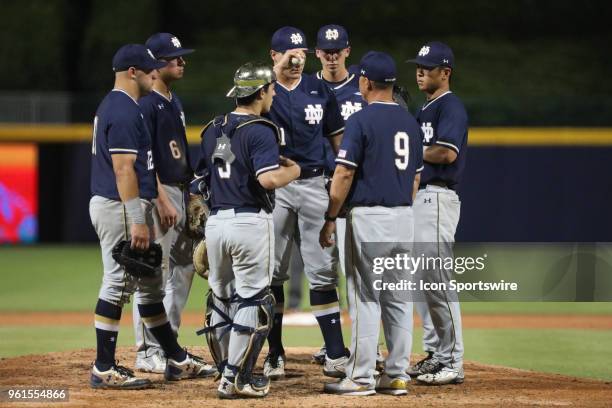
348,108
314,113
428,132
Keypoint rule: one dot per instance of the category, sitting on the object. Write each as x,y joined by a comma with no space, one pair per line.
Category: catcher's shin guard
244,381
216,330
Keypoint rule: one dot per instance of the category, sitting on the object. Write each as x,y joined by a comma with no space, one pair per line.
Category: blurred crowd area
520,63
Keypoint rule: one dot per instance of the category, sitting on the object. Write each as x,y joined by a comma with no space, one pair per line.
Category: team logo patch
176,42
348,108
331,34
424,51
428,132
342,153
296,38
150,53
314,113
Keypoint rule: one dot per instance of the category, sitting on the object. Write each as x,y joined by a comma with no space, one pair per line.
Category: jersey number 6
174,149
402,149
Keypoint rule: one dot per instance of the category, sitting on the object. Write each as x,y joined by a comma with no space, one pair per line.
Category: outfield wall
521,184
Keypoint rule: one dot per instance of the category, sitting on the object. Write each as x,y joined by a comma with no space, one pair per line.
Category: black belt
182,185
310,173
436,183
237,210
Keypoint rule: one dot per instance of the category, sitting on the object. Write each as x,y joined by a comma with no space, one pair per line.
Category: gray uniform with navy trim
382,142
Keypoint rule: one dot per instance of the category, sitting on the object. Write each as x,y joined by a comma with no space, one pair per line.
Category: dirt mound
484,386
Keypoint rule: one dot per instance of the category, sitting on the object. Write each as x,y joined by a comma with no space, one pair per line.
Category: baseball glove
401,96
136,262
200,259
196,218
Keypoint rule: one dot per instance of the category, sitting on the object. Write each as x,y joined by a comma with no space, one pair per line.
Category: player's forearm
340,187
334,141
439,155
279,177
127,182
415,186
162,196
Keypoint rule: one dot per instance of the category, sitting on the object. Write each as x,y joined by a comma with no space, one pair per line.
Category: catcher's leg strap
217,327
264,304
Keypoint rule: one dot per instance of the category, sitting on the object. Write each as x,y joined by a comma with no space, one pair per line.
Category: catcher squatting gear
253,316
136,262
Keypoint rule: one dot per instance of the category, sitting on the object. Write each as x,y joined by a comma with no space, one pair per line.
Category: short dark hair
248,100
381,85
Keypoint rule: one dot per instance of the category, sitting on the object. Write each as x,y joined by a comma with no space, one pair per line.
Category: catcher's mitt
401,96
136,262
200,259
196,218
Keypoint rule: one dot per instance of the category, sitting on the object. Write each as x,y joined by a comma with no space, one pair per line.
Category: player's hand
290,164
140,236
167,214
286,60
286,162
326,236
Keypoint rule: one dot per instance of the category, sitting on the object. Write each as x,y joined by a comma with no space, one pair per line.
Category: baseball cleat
319,356
443,376
335,368
346,386
274,367
155,362
391,386
424,366
191,367
226,389
118,378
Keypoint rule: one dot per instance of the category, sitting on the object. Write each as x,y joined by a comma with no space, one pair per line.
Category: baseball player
377,173
123,184
240,164
306,112
165,119
444,123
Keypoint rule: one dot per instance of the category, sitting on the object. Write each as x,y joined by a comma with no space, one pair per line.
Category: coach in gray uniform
377,172
444,124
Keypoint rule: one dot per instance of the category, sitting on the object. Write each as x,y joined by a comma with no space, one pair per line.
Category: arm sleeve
333,123
452,127
263,150
123,135
350,153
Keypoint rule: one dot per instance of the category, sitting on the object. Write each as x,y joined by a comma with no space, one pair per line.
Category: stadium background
533,75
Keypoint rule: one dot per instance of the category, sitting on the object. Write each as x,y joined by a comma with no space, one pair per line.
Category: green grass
562,351
67,278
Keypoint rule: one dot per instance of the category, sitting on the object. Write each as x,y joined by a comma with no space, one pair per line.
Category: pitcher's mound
484,386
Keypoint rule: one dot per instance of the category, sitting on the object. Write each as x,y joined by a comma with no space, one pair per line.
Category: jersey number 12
402,149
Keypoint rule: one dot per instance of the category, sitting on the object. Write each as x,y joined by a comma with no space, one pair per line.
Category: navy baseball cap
435,54
378,66
332,37
137,56
286,38
166,45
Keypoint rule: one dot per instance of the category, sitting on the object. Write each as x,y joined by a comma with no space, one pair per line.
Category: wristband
330,218
135,213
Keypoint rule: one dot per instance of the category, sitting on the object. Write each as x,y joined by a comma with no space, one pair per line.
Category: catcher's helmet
250,78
